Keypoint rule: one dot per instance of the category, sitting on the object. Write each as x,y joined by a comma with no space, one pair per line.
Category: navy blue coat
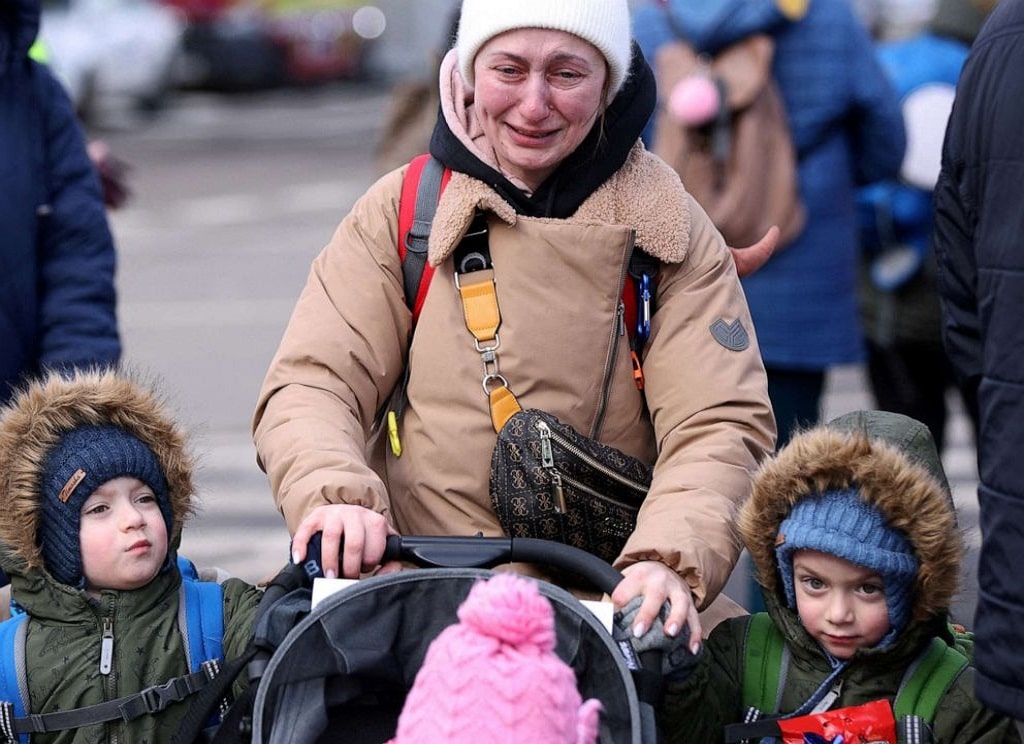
979,243
57,297
845,118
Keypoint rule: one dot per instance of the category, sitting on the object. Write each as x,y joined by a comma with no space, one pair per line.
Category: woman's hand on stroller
658,584
363,533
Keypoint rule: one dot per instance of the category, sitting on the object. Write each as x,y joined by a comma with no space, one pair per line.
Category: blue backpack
201,622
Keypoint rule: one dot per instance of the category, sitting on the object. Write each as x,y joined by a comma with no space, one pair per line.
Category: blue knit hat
841,524
83,460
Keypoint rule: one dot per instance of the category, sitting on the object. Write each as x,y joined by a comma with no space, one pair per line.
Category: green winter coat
915,499
65,624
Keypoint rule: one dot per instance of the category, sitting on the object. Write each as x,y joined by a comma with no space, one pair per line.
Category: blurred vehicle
323,39
227,46
113,52
249,44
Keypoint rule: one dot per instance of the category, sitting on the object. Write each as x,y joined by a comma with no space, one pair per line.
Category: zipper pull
107,646
621,312
547,460
547,457
827,701
557,492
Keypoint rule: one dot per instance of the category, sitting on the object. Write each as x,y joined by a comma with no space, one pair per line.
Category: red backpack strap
425,179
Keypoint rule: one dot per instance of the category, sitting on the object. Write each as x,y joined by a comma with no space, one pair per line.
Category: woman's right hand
753,257
363,531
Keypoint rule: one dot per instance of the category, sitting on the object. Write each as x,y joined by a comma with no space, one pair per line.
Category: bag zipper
549,435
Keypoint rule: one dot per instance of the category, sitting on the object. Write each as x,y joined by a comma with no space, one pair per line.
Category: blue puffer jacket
846,123
979,244
57,298
894,211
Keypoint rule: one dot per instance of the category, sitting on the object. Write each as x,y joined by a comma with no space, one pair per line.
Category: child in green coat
853,532
95,487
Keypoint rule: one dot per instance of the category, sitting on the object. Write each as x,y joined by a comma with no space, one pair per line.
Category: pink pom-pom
694,100
511,610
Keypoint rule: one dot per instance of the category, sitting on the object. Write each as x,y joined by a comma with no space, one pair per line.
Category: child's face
842,605
123,536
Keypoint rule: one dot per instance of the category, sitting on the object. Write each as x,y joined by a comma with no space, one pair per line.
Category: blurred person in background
908,369
847,128
979,245
57,296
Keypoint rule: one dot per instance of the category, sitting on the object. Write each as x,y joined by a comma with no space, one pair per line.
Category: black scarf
600,154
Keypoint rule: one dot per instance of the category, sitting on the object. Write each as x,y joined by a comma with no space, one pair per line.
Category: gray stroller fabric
341,675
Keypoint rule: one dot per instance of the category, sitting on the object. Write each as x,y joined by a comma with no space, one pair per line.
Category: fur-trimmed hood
881,458
40,413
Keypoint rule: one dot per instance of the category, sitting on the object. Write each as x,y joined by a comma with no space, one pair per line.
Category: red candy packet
871,723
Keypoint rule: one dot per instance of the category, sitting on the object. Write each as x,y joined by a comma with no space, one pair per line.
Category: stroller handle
487,552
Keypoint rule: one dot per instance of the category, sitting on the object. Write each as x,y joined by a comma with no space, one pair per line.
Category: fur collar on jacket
644,193
911,499
40,413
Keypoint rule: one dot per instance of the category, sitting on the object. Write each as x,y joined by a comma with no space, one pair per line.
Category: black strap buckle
473,252
156,698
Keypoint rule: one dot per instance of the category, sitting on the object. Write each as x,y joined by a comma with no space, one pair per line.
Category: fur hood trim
909,497
644,194
40,413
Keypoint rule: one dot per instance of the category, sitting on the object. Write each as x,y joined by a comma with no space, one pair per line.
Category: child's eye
813,583
871,589
145,498
95,509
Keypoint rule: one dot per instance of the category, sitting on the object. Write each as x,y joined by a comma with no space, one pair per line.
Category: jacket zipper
107,646
549,435
609,367
107,665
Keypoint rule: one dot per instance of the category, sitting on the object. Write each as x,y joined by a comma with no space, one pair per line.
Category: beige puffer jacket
704,419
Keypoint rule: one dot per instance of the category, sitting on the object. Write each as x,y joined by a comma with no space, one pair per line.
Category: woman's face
537,95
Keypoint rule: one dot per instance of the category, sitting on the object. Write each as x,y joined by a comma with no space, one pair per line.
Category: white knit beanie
604,23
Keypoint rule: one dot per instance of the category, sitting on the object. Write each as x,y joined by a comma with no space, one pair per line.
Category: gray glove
677,662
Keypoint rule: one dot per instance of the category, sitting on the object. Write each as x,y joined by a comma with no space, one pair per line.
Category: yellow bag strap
480,309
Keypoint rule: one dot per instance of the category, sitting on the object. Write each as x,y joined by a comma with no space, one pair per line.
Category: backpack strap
924,685
149,701
764,653
425,179
13,684
201,620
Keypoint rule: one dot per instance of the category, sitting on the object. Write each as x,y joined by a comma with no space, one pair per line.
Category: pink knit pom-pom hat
493,677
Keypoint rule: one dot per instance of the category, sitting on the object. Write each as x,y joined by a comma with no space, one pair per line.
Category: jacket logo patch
732,336
69,487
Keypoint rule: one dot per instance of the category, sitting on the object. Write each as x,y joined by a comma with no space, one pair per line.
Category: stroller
342,673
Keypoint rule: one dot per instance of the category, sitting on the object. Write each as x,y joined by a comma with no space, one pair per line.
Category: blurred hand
753,257
658,584
113,174
362,531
